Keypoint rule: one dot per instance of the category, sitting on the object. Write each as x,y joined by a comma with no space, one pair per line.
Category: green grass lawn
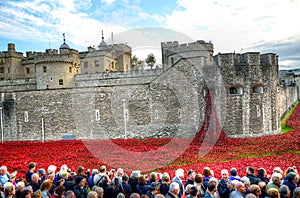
284,127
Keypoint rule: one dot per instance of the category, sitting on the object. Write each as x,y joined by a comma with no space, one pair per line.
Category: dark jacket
35,186
170,195
142,189
125,189
28,176
164,189
108,191
69,185
80,192
223,190
189,182
291,185
253,179
133,182
179,181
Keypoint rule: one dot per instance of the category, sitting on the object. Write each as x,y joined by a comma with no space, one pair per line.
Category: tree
135,61
150,60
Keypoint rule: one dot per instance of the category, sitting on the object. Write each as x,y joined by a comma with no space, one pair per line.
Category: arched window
258,89
236,90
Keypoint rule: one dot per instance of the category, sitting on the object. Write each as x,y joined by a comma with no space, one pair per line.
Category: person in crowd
51,169
191,178
91,178
262,185
206,176
255,189
278,170
92,194
193,192
251,176
246,181
31,169
234,175
153,178
9,190
42,174
37,194
250,195
153,189
59,192
70,194
296,193
239,192
99,191
81,189
81,172
165,183
35,182
291,181
115,185
284,192
125,188
224,186
45,188
19,187
179,175
275,181
186,191
135,195
159,196
105,184
174,190
199,184
102,172
64,168
133,180
68,183
4,175
262,175
120,173
26,192
273,193
142,187
211,189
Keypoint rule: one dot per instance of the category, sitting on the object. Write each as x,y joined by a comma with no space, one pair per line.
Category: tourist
98,177
99,191
125,188
165,183
35,182
45,188
250,174
296,193
153,178
69,194
92,194
42,174
142,187
193,192
4,175
206,176
211,189
153,189
224,186
173,190
191,178
284,191
81,189
255,189
31,168
91,178
19,187
37,194
234,175
133,180
179,175
199,184
59,192
262,175
273,193
9,190
239,192
262,185
291,181
275,181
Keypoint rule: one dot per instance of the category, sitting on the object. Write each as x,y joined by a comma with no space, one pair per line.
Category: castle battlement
199,45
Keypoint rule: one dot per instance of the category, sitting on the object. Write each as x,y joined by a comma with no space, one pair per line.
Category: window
60,82
156,114
8,70
96,63
27,70
235,91
26,116
45,69
258,89
172,60
70,69
97,114
1,70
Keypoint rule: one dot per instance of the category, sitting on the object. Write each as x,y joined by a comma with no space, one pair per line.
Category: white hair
245,180
51,168
173,186
20,184
179,172
7,184
224,170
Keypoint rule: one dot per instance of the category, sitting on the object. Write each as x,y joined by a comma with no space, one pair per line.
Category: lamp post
125,118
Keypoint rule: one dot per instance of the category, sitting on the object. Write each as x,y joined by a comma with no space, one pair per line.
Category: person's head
187,189
292,177
36,194
159,196
135,174
155,187
278,170
99,191
165,178
102,169
80,181
121,195
142,180
250,195
52,169
245,180
255,189
35,178
92,194
239,186
94,171
250,170
179,173
261,172
69,194
80,170
46,184
191,175
153,176
276,178
273,193
194,191
262,185
64,168
41,172
20,185
65,175
290,169
199,179
125,178
212,186
26,193
284,191
31,166
51,175
9,189
174,188
134,195
224,174
296,192
120,172
206,171
60,191
233,172
3,170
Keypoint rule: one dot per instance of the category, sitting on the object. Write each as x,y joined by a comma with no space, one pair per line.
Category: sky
231,25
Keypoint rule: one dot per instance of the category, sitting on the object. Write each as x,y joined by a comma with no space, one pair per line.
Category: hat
79,179
94,171
190,172
41,171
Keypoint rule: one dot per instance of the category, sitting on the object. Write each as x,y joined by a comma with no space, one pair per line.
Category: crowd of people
103,183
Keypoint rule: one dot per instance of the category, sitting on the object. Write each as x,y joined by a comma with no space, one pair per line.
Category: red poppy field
268,152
